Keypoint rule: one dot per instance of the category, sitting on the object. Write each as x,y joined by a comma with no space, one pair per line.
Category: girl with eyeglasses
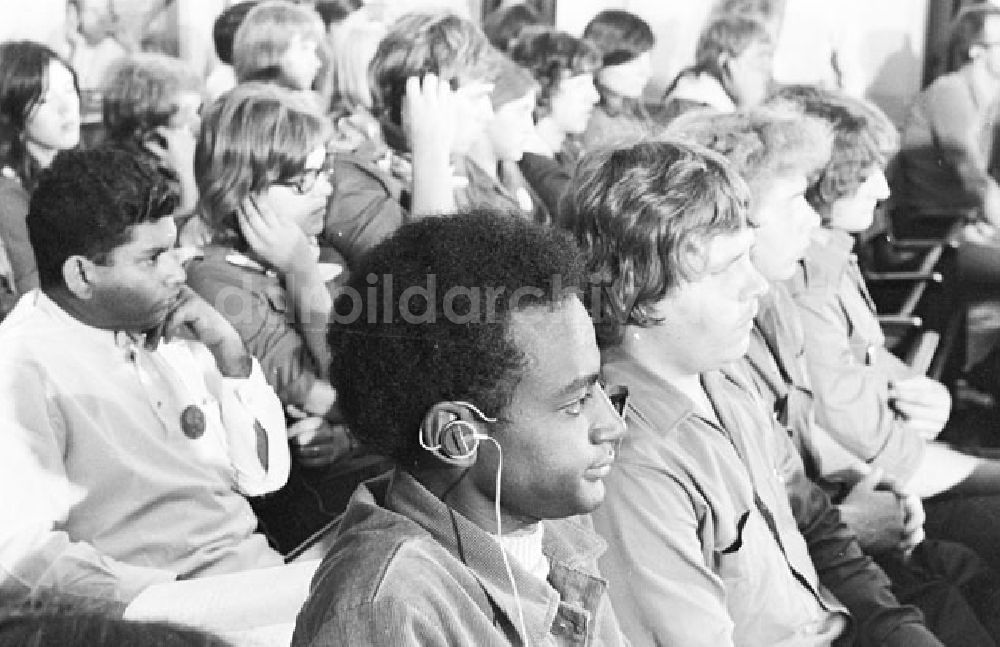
260,164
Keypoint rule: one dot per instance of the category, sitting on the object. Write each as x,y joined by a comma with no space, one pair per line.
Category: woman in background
625,42
39,116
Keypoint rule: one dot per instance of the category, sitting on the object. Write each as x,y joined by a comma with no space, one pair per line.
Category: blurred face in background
749,73
628,79
573,102
512,127
54,122
300,63
988,48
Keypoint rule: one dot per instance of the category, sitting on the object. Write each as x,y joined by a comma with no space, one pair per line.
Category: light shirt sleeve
244,404
36,555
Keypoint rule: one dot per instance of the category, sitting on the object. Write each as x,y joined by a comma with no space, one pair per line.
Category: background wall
40,20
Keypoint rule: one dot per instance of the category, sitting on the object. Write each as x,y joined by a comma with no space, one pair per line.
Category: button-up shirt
406,569
716,537
107,488
849,365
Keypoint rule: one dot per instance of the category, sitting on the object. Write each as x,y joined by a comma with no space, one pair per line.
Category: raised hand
429,113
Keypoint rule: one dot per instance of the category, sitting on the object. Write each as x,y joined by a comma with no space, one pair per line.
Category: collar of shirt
825,260
81,332
653,398
703,88
779,326
238,259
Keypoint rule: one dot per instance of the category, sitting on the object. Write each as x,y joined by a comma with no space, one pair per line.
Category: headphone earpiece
460,441
455,442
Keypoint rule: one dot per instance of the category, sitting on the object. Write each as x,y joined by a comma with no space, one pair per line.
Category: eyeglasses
305,181
618,395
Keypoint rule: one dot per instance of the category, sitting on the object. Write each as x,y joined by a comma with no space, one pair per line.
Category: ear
79,273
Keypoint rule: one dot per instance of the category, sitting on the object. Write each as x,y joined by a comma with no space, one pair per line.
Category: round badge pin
193,422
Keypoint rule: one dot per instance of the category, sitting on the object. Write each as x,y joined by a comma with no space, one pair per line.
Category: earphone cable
503,551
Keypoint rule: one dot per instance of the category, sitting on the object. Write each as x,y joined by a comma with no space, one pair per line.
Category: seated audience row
628,379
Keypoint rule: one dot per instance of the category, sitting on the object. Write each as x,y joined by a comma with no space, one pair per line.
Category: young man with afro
464,353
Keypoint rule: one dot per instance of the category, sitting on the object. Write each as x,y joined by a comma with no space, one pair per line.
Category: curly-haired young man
466,355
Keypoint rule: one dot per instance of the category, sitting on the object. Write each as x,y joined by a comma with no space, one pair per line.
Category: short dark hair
967,29
552,56
24,80
417,43
504,25
87,203
225,26
643,214
620,36
863,137
457,344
